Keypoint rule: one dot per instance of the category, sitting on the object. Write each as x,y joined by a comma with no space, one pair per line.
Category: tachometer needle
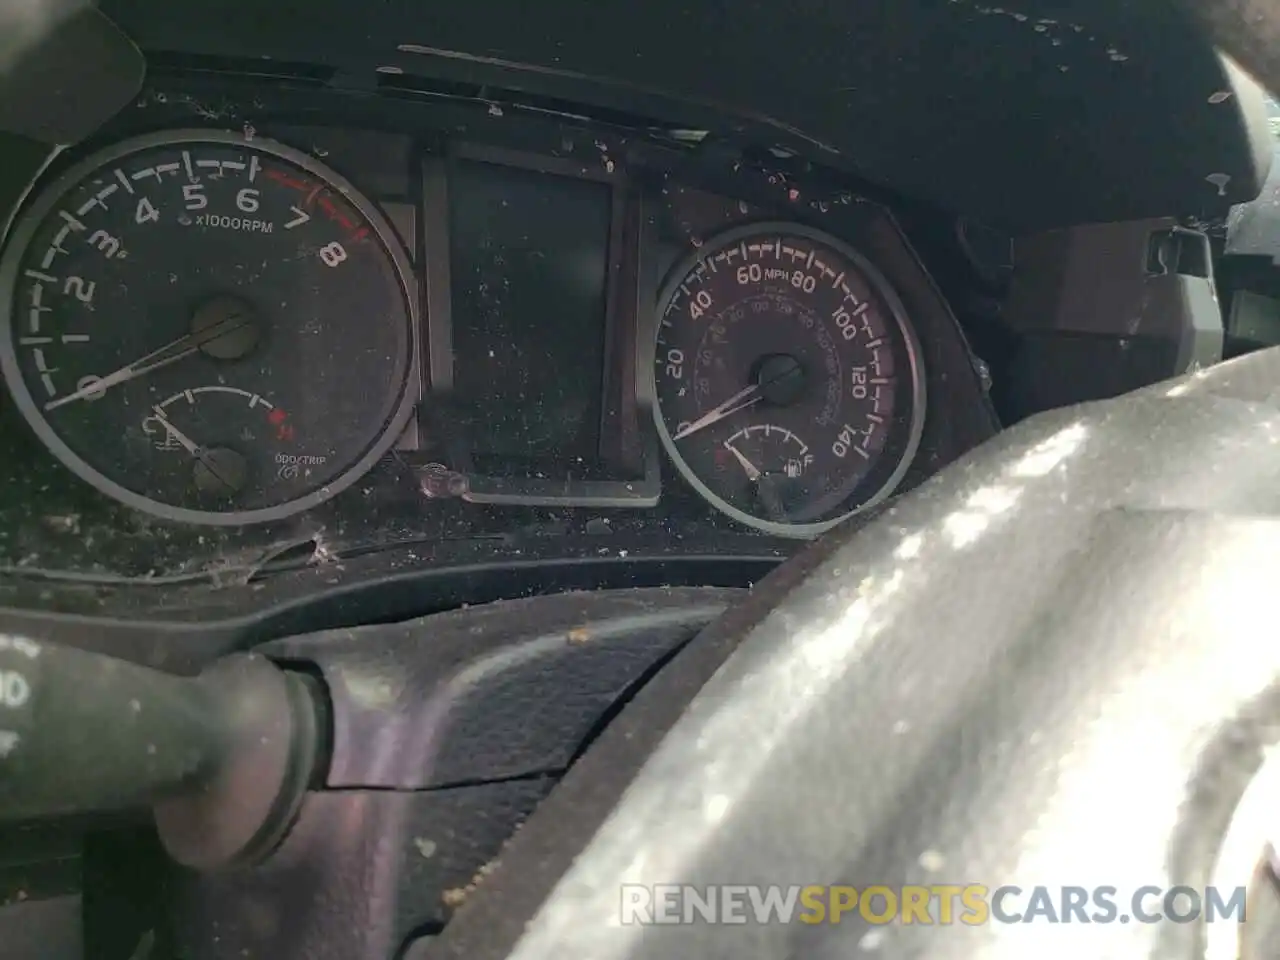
169,353
739,401
752,471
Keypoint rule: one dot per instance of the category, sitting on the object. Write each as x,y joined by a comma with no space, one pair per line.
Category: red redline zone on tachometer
315,194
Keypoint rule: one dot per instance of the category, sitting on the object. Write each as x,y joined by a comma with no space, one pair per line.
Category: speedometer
208,327
787,381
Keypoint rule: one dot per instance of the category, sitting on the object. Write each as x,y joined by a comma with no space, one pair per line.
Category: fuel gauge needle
764,485
752,471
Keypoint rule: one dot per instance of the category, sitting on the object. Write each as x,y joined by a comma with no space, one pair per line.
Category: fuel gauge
773,460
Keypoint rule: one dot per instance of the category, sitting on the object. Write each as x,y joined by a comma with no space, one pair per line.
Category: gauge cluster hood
1030,114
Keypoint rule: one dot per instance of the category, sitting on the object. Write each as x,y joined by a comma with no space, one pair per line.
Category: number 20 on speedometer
787,381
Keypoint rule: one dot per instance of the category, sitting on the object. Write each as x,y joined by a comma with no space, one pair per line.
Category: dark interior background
1031,114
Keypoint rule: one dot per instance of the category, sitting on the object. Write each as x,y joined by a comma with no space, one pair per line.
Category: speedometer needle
169,353
739,401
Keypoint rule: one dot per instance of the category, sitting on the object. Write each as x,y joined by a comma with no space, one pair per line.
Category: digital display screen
529,267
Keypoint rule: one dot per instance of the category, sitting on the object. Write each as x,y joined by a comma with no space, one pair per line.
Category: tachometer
787,384
210,328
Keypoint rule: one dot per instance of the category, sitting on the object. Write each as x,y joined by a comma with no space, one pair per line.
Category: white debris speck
932,861
871,940
715,808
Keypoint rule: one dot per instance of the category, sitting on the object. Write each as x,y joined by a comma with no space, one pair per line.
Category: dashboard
255,321
408,348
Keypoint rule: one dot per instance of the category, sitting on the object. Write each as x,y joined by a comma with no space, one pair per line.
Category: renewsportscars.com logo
934,904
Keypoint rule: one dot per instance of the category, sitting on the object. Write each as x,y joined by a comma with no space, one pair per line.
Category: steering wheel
1051,665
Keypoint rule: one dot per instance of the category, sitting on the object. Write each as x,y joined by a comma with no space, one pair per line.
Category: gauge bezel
910,345
27,219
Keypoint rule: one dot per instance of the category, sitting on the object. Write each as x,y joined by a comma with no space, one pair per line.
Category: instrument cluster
229,327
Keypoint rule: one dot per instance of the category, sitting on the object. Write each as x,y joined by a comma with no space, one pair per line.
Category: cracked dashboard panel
257,322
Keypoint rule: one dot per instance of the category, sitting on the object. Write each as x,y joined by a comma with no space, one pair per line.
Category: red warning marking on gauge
279,419
316,196
333,213
279,176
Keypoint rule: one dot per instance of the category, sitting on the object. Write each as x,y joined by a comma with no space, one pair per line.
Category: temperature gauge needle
221,470
183,440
